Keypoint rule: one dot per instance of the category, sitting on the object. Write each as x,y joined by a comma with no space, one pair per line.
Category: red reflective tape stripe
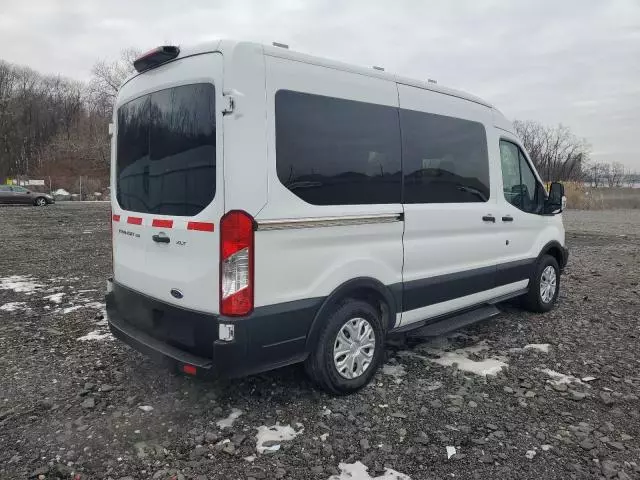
200,226
158,222
116,218
134,220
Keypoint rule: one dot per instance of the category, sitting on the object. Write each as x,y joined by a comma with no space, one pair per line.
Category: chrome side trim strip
316,222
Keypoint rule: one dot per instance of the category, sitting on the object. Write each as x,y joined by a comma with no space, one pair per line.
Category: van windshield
166,151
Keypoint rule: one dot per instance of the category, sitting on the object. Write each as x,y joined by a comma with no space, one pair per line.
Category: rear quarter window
166,151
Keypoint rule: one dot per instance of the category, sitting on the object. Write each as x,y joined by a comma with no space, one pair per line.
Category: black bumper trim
271,337
152,347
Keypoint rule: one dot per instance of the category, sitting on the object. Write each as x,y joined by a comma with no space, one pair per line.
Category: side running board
451,323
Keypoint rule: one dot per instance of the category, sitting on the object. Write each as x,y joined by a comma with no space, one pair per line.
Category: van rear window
166,151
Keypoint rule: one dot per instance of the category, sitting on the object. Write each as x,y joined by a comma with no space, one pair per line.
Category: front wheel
544,286
40,202
349,349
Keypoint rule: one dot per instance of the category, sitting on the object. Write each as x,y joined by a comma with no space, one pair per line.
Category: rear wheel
544,286
40,202
349,349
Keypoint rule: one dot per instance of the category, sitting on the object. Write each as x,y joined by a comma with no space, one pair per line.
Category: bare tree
556,152
631,179
617,174
108,76
50,125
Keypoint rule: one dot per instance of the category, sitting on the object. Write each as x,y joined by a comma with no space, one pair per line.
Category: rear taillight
236,264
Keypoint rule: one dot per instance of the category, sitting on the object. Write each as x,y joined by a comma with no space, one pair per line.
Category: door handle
507,218
161,239
489,218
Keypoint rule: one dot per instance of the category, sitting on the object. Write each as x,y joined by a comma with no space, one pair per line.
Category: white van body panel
499,121
152,268
245,136
312,262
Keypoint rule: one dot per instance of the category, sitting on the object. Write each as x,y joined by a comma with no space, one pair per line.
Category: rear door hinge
228,105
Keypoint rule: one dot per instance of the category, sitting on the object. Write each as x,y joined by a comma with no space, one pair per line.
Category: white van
270,208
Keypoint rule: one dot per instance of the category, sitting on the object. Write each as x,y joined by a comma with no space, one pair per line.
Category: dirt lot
74,403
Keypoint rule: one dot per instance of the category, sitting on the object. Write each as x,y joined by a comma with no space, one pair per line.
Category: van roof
230,45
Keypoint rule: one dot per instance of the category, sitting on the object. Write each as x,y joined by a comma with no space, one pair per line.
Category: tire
546,269
322,368
40,202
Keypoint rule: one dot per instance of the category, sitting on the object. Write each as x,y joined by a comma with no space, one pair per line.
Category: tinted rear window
166,151
331,151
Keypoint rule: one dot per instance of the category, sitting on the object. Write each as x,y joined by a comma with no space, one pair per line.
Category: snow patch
275,433
542,347
92,305
488,366
19,284
96,335
451,451
14,306
396,371
558,378
145,408
71,309
228,422
55,298
358,471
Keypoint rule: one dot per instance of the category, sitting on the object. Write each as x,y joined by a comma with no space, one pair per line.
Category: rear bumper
269,338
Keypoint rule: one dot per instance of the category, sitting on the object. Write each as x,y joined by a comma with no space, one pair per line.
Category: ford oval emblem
176,293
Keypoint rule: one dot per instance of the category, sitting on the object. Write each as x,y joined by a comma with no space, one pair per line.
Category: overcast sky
575,62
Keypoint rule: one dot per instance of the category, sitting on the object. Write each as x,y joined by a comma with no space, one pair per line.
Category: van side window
520,186
445,159
331,151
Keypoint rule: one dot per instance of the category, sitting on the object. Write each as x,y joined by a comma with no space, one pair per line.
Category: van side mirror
555,200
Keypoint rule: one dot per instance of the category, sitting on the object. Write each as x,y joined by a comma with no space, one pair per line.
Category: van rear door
166,177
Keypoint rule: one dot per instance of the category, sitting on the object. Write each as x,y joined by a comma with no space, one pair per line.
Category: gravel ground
74,403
